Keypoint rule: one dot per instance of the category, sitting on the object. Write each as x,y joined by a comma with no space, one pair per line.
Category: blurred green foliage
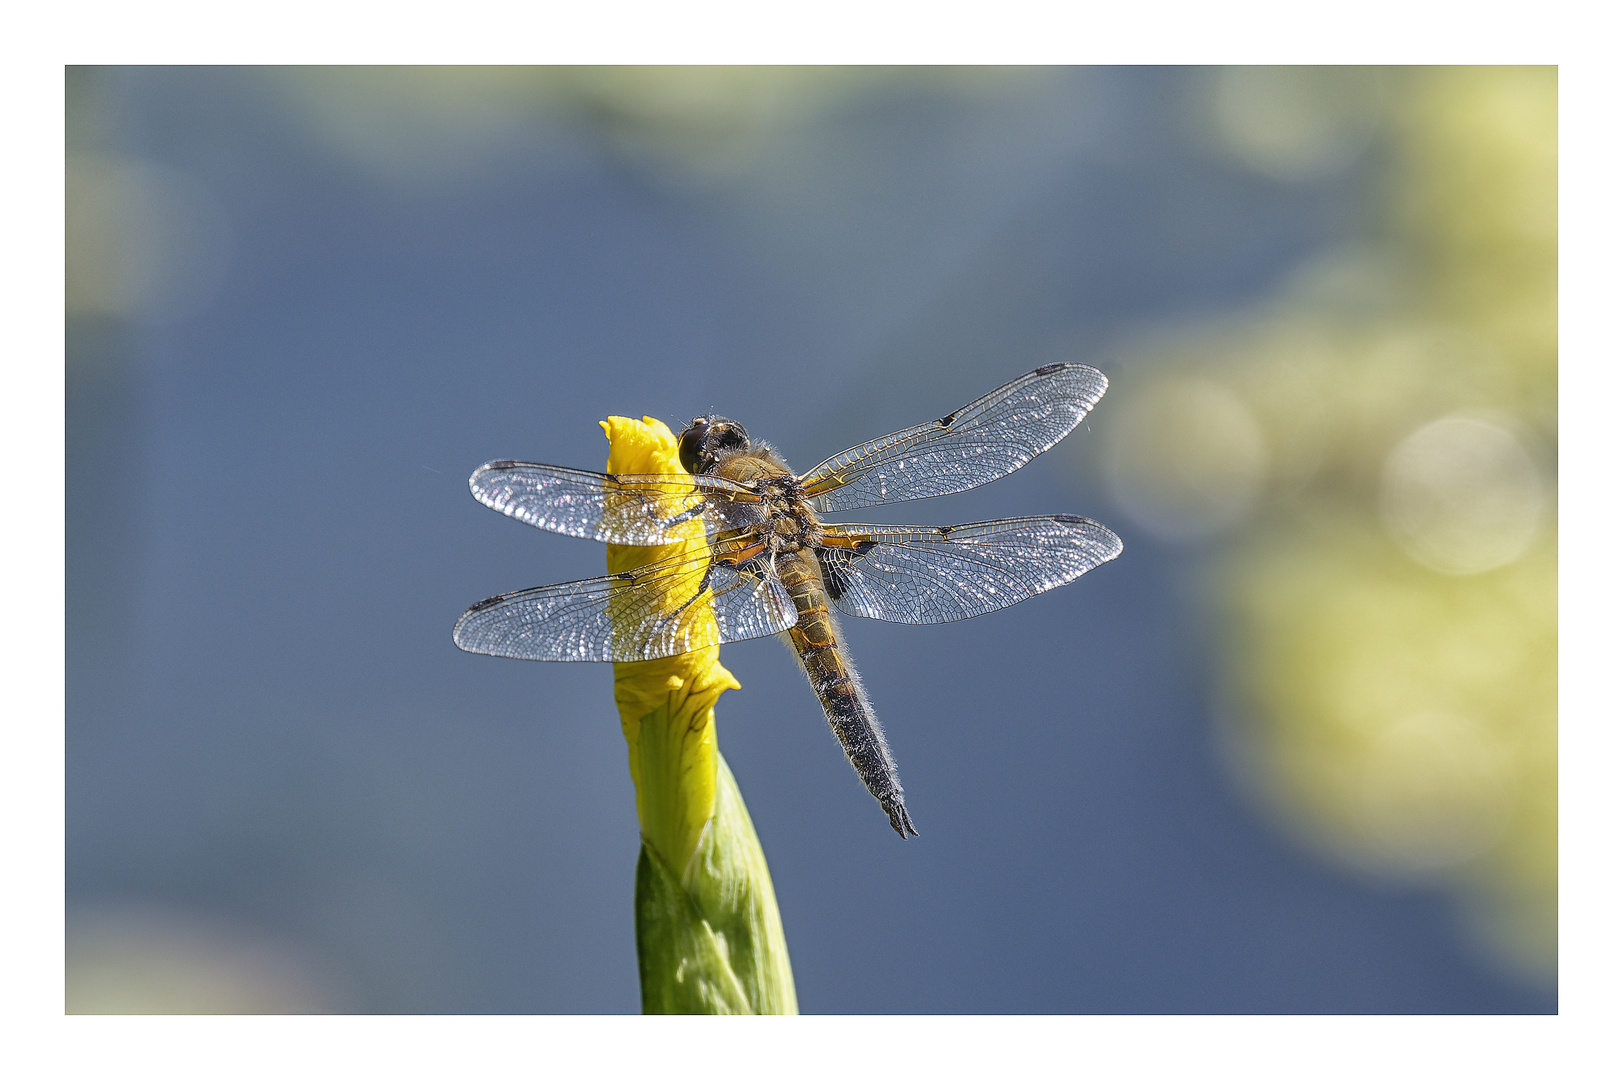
1374,452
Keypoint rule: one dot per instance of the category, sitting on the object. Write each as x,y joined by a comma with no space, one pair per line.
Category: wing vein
988,438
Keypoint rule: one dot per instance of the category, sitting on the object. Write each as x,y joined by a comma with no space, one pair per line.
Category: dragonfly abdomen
816,640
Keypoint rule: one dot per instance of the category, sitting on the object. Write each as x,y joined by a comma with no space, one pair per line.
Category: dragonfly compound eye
728,435
706,439
690,448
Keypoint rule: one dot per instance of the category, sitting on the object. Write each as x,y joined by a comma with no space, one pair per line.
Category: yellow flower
709,937
667,705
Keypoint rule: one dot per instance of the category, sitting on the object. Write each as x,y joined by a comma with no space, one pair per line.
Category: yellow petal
666,704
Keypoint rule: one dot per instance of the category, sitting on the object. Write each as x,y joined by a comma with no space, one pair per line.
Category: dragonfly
772,565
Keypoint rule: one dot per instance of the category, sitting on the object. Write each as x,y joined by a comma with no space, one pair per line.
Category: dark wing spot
832,562
503,464
493,601
944,530
1069,519
946,421
1048,369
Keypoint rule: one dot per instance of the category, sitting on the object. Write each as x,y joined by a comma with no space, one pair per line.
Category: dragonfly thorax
789,524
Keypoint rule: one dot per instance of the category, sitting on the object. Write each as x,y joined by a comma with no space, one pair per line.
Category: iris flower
709,938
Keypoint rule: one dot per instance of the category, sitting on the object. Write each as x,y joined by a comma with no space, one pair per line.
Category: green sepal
713,944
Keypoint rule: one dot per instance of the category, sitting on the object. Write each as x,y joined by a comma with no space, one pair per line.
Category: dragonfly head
706,439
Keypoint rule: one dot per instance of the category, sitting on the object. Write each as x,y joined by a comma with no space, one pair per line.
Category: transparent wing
652,611
635,510
922,574
986,439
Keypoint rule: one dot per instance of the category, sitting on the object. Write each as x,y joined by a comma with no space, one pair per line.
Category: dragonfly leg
690,514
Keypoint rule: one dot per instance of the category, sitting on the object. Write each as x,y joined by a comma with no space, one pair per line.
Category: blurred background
1295,751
